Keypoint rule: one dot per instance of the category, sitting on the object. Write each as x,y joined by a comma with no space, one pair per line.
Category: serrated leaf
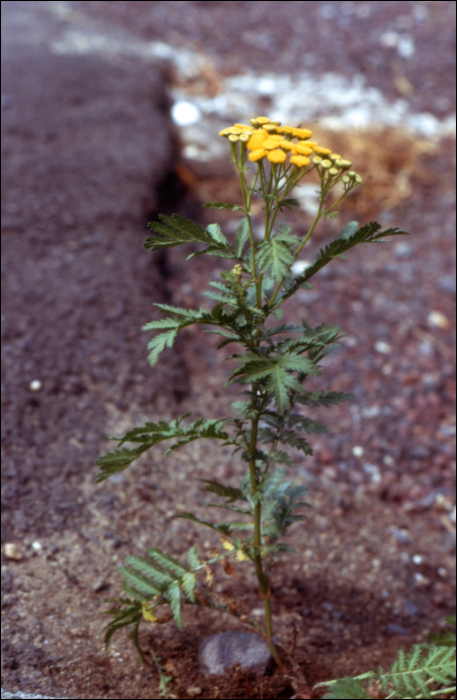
224,529
277,371
188,584
160,342
222,205
157,574
323,398
347,689
167,562
225,491
366,234
275,257
192,558
242,235
307,424
140,583
117,461
216,234
288,203
349,230
176,230
174,593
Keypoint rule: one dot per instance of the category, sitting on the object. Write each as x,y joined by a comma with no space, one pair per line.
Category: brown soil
375,565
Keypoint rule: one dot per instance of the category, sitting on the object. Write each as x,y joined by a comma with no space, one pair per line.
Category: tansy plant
273,360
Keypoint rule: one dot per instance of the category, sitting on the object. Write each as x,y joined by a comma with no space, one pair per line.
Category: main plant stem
262,578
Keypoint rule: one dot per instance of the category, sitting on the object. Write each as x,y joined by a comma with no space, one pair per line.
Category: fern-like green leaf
174,593
167,562
152,434
222,205
323,398
224,529
157,574
232,494
188,584
277,370
410,672
192,558
175,230
142,585
277,255
242,235
117,461
129,614
347,689
366,234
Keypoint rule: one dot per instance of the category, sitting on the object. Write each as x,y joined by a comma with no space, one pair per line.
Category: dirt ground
375,565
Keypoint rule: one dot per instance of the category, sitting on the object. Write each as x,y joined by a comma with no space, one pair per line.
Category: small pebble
35,385
221,652
437,320
382,347
12,551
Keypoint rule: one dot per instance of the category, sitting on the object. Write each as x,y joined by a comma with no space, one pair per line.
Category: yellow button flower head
257,139
257,155
302,150
276,156
302,133
299,161
287,145
270,143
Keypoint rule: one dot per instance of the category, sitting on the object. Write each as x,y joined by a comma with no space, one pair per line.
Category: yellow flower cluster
268,139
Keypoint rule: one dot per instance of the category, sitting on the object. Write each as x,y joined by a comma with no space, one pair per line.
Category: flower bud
321,151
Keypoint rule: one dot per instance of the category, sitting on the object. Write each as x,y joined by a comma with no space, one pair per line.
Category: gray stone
221,652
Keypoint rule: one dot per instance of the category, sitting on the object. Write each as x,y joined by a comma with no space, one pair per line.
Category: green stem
262,578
